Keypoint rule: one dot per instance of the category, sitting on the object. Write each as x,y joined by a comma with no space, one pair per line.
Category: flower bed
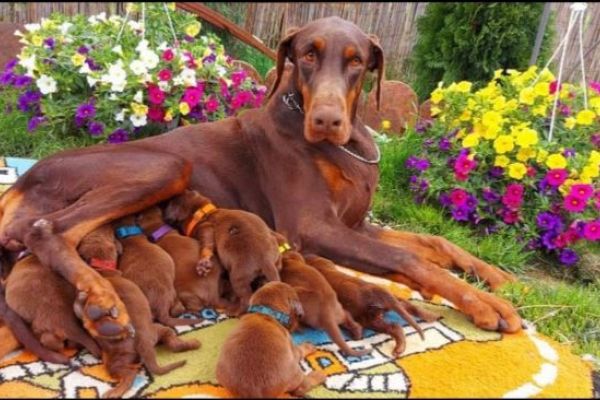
487,160
111,78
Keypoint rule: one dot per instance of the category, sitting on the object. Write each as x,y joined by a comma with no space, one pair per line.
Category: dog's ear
283,53
176,210
376,63
297,309
118,246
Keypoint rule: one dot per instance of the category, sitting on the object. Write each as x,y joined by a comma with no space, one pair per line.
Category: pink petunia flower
554,86
458,197
510,216
165,74
155,95
583,191
574,204
168,55
595,86
192,96
556,177
211,104
156,114
591,230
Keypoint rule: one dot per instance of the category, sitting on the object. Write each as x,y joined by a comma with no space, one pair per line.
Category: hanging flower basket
115,78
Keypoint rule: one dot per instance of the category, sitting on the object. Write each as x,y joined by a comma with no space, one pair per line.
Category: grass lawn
562,307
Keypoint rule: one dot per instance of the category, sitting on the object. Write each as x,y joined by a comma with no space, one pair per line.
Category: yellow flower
527,96
512,105
546,75
540,110
139,109
556,161
570,122
499,103
565,188
595,104
471,140
171,5
386,124
491,132
168,116
472,104
490,118
594,158
77,59
525,154
527,137
585,117
504,144
193,29
497,74
184,108
464,86
541,156
517,170
460,133
542,89
591,171
435,111
36,40
437,95
465,116
501,161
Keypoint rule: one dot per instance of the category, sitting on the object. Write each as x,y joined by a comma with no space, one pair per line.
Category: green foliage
469,41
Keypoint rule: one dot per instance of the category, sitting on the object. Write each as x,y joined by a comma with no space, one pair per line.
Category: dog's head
331,58
281,297
183,206
149,217
101,244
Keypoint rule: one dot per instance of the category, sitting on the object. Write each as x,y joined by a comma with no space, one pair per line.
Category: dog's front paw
204,266
102,312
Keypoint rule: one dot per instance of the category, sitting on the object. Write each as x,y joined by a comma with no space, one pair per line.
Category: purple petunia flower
569,152
496,172
11,64
568,257
471,202
548,240
445,200
422,164
34,123
596,140
118,136
83,50
444,144
85,111
211,58
22,81
27,100
460,213
49,42
490,196
7,77
95,128
549,221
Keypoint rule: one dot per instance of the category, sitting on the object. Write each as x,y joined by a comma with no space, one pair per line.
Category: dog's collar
290,101
198,216
128,230
103,264
281,317
284,247
160,232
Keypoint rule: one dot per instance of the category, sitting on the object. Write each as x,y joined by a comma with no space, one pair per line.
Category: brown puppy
258,359
152,269
322,310
122,356
244,244
45,300
368,302
194,291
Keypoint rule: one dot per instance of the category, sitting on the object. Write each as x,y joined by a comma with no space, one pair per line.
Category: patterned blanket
455,360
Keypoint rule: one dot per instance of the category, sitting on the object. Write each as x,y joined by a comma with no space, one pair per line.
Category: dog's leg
145,348
351,325
440,251
333,330
378,324
206,238
169,338
304,383
345,246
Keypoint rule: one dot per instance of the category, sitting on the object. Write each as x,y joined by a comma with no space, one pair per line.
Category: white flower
19,33
91,81
138,120
164,86
115,19
33,27
118,86
113,97
28,63
188,77
93,20
149,58
102,16
142,46
221,71
64,27
145,78
163,46
46,23
178,80
85,69
120,116
116,72
134,25
139,97
46,84
118,49
137,67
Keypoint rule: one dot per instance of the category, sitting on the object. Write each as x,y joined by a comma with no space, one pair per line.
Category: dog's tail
149,358
333,330
124,384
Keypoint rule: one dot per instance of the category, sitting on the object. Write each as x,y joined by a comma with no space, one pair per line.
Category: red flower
165,74
156,114
510,216
531,171
155,95
168,55
554,86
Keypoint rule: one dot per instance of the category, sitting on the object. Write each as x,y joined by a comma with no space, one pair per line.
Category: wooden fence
394,24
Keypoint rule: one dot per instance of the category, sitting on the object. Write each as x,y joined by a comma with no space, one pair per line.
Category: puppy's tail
150,362
333,330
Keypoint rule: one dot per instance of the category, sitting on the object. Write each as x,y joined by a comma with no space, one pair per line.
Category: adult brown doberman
304,163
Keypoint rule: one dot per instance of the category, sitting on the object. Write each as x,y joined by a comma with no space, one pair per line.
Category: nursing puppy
322,310
45,300
244,244
122,356
368,303
152,269
194,291
258,359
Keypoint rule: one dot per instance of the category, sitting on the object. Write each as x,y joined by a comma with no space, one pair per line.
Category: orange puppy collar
198,216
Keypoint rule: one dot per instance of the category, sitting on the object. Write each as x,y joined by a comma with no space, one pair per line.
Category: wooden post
540,34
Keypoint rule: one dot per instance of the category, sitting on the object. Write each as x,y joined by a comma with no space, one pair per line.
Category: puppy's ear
118,246
297,309
376,63
177,210
284,52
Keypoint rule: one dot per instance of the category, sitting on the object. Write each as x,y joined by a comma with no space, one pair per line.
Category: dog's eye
310,56
356,62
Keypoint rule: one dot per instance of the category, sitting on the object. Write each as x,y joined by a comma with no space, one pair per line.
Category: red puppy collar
103,264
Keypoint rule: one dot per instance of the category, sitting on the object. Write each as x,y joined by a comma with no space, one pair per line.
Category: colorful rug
455,360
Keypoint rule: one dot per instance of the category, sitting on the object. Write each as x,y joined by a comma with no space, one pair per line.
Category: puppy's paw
204,266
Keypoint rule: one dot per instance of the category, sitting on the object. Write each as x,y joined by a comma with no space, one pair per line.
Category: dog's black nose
327,119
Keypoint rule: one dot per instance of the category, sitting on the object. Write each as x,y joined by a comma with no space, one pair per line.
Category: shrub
458,41
107,78
488,162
